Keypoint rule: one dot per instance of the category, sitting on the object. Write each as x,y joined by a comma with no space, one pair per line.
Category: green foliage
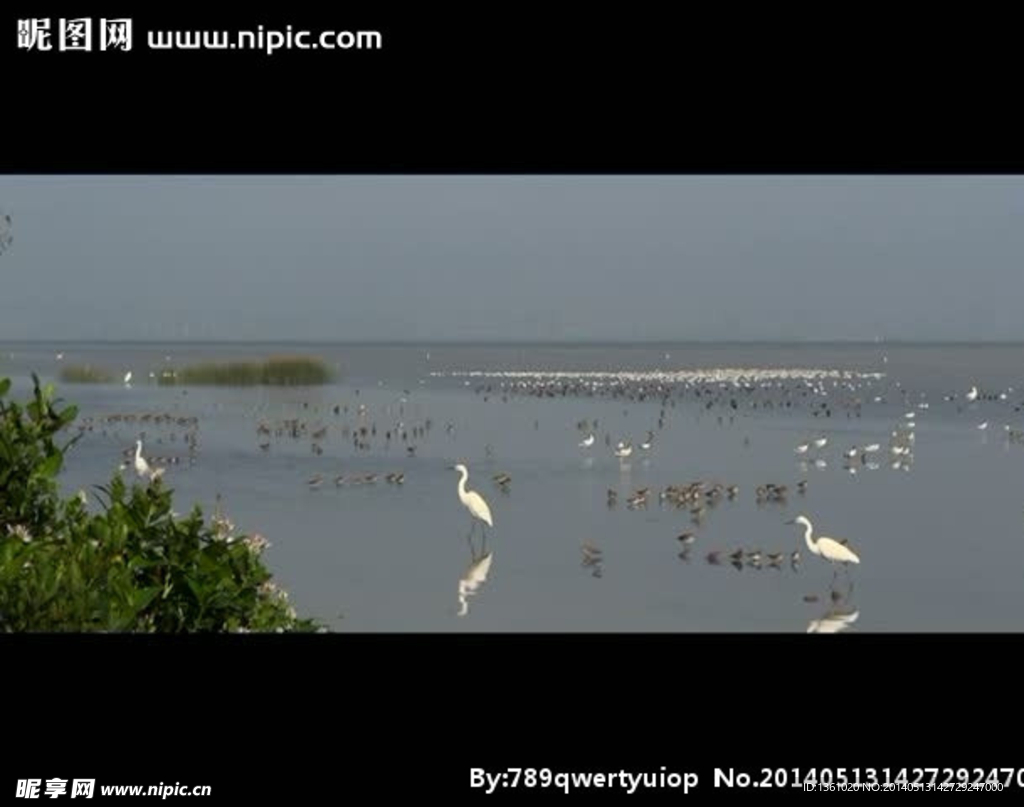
132,566
275,371
85,374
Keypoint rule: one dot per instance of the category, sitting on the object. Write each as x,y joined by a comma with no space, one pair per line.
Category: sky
421,258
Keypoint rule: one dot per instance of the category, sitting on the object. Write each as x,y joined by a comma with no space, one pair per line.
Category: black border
524,89
516,90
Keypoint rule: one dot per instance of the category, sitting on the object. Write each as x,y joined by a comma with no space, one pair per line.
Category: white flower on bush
270,590
223,528
19,531
256,543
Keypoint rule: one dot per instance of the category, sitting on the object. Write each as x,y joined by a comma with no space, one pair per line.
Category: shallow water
941,538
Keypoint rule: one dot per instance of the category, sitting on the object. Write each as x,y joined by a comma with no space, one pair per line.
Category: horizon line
519,341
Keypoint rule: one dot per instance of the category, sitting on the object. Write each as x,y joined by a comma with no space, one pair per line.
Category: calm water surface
941,536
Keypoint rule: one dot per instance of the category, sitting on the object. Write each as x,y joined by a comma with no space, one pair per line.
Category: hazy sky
552,257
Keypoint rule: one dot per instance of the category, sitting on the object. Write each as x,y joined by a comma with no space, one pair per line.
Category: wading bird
143,468
830,549
472,500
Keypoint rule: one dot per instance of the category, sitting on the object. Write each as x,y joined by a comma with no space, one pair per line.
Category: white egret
830,549
473,501
143,468
588,441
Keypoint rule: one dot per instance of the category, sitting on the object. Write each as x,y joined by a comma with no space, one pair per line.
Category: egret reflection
842,613
474,577
593,558
833,621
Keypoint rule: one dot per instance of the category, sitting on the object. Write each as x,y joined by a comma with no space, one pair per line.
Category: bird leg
483,550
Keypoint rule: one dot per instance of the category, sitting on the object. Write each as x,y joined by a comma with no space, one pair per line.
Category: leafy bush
133,566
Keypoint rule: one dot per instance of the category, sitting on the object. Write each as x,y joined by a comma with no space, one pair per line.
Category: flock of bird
699,497
728,396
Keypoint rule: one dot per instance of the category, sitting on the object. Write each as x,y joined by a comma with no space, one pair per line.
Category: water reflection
474,576
841,614
834,621
593,558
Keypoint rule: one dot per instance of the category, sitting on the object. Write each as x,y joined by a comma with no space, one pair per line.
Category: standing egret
141,466
473,501
828,548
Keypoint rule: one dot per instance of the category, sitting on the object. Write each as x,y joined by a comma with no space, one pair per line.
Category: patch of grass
85,374
276,371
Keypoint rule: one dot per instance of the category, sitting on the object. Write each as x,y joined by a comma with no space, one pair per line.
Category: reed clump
278,371
85,374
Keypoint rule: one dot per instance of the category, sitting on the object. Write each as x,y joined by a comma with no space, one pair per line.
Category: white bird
972,395
624,450
587,441
821,442
141,466
473,501
983,426
802,448
828,548
128,378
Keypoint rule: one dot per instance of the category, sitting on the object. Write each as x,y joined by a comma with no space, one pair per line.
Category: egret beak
791,521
